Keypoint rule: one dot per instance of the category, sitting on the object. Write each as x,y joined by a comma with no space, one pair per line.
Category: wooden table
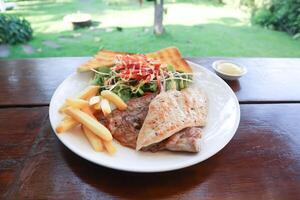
261,162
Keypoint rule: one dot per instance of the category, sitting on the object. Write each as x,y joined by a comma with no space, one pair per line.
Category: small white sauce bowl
227,76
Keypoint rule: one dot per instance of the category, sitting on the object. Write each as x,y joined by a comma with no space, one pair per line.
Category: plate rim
164,169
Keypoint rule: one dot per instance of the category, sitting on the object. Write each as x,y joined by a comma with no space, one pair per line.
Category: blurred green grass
198,28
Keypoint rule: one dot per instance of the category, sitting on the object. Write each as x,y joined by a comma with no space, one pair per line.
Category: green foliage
252,4
263,16
280,15
248,3
14,30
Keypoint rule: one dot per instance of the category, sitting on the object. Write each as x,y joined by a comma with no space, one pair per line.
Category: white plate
222,123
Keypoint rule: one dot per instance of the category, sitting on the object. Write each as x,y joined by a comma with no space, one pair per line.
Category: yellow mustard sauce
230,69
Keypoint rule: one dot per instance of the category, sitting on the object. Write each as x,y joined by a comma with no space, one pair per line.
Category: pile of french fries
81,111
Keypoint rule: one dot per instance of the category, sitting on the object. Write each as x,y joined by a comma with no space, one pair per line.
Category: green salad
134,76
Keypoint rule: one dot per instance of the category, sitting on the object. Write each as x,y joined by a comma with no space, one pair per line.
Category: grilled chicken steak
170,112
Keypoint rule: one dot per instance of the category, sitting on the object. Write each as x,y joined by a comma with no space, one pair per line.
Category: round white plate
222,123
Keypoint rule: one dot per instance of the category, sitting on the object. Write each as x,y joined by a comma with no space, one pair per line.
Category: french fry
110,148
94,140
88,92
94,100
90,122
88,111
105,107
115,99
77,103
65,125
63,108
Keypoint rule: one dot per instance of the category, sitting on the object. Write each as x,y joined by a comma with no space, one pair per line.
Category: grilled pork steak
125,127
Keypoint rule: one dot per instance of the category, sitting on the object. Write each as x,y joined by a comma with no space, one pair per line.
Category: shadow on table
235,85
129,185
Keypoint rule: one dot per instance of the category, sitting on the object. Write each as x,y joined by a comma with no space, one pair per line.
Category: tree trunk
158,17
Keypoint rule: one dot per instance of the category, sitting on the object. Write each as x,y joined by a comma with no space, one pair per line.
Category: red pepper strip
156,66
148,78
158,82
125,76
142,72
119,67
129,75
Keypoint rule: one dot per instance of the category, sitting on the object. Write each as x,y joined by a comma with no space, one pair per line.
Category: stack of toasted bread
106,58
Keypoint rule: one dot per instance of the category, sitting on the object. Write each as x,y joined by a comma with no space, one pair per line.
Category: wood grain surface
261,162
19,128
33,81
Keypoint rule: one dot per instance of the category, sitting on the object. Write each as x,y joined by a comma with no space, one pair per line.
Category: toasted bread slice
104,58
172,56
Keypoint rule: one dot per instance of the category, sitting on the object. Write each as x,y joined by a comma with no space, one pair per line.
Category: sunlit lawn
198,29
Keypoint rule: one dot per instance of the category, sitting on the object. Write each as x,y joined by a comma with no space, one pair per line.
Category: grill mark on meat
125,127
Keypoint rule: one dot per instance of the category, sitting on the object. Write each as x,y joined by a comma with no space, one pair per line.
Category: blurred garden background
235,28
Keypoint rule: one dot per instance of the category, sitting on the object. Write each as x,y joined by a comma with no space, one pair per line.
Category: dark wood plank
261,162
19,128
33,81
267,80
